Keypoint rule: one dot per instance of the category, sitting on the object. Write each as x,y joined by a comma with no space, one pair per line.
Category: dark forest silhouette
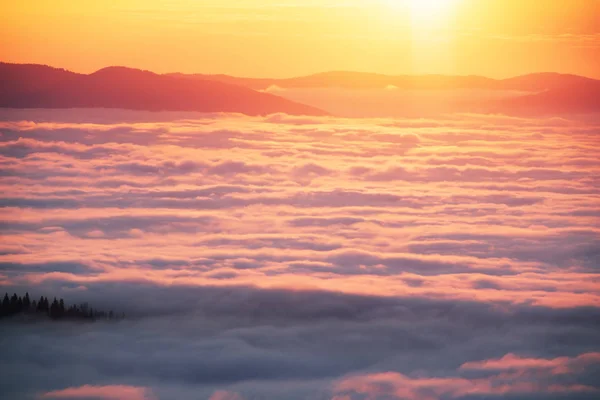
55,310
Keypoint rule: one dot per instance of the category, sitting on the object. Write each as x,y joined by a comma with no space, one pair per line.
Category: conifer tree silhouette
5,305
54,309
61,308
26,301
40,304
57,310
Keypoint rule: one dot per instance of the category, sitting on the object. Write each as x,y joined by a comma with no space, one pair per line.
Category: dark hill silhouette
543,93
578,98
355,80
545,81
38,86
361,80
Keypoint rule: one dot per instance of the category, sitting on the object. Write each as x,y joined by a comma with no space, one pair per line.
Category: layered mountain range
40,86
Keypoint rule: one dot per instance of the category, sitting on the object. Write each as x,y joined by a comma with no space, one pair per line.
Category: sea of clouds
286,257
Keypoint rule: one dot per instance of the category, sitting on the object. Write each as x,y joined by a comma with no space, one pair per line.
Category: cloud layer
302,257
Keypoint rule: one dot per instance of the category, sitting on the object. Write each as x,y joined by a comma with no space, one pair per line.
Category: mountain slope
546,81
578,98
354,80
362,94
38,86
361,80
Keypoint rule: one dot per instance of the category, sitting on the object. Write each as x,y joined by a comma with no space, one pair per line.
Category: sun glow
431,29
421,10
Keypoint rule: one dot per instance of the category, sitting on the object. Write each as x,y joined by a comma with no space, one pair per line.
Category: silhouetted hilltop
545,81
355,80
579,97
37,86
542,93
362,80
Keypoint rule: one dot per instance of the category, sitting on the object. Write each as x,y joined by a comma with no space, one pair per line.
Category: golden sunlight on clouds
470,207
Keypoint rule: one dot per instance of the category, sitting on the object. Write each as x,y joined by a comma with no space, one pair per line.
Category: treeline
56,310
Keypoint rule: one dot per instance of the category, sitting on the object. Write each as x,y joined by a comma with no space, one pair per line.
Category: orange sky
282,38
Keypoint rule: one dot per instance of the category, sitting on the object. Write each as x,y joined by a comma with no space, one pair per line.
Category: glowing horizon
278,39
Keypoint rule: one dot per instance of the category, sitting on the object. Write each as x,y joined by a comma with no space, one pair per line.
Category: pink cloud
225,395
113,392
473,207
559,365
398,386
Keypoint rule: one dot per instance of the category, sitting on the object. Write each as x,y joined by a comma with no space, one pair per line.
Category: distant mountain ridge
578,98
40,86
533,94
364,80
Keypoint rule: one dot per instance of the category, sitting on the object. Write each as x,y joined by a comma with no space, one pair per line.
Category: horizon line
307,75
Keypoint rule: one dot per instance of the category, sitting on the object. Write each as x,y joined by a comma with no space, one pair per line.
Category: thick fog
301,258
